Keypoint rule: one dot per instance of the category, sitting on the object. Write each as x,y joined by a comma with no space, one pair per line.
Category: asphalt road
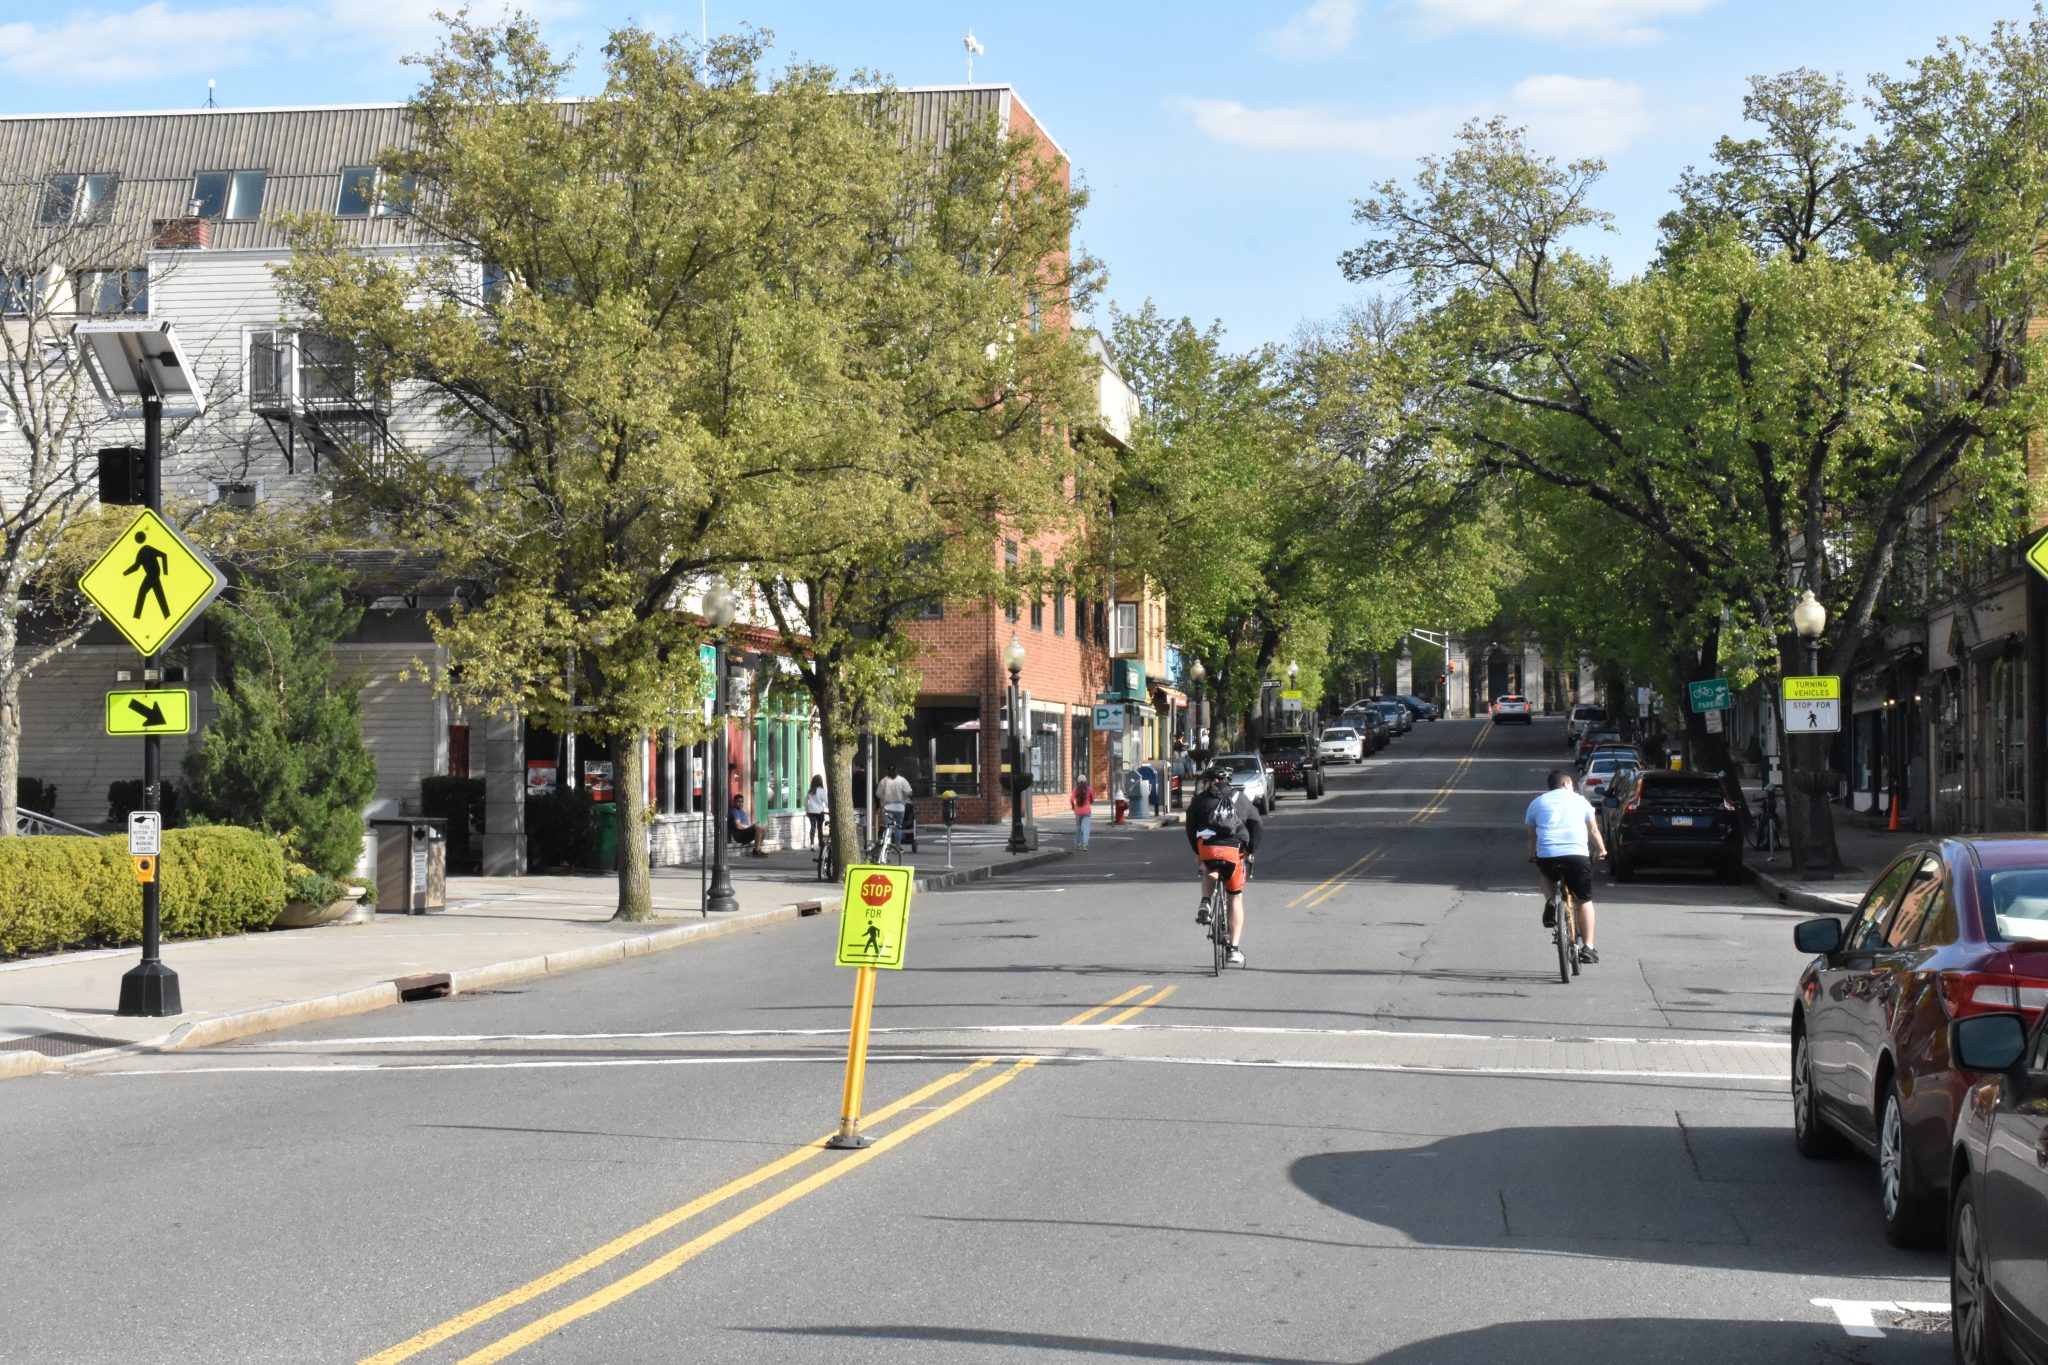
1393,1137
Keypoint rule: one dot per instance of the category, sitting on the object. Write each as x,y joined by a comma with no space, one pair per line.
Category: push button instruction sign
875,918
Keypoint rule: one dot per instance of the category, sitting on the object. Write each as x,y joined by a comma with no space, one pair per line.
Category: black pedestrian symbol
1813,720
150,562
873,944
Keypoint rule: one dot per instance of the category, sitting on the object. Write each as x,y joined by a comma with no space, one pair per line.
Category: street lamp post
140,371
1198,752
1013,659
1293,680
1809,619
719,608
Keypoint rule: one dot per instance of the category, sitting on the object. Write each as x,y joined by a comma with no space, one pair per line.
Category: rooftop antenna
209,93
974,49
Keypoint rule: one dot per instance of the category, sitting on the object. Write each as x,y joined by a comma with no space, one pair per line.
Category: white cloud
155,40
1322,30
1566,116
1604,21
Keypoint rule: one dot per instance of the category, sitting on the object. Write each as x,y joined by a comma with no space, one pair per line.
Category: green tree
633,315
284,752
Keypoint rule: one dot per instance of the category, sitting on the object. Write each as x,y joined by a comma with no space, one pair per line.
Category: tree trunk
840,797
10,741
1705,751
629,795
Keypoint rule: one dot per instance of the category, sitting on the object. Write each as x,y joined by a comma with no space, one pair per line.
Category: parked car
1417,707
1584,716
1608,806
1674,818
1602,772
1511,708
1951,929
1998,1183
1342,744
1591,740
1294,762
1399,721
1248,775
1371,724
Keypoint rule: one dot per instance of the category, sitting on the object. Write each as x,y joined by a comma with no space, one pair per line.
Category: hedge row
71,891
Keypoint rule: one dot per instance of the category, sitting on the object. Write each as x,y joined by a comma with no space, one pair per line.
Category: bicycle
1764,833
1567,935
1217,904
827,866
888,847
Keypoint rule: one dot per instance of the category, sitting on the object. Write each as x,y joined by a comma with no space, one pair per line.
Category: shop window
941,752
1010,578
1046,774
1082,750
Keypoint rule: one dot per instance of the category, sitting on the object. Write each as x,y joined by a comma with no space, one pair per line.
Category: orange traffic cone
1894,827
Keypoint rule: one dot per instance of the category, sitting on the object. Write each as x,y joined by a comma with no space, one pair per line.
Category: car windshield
2019,900
1284,745
1600,737
1329,735
1390,708
1240,763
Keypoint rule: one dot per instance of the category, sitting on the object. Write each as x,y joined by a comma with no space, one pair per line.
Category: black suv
1675,817
1295,761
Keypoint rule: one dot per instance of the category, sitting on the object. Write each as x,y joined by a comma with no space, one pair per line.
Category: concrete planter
350,909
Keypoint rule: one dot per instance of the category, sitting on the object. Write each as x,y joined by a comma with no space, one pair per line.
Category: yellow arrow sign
151,583
877,911
157,711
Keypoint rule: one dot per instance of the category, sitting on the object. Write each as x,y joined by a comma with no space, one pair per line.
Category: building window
2009,730
396,194
1102,610
1010,578
236,196
1080,617
941,751
1037,597
358,192
1059,607
326,368
17,295
1046,776
79,199
269,379
1083,748
112,291
782,762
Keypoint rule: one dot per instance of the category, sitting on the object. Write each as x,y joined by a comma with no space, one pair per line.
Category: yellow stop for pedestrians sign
151,583
877,912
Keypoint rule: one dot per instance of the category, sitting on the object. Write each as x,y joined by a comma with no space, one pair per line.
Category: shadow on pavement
1679,1194
1647,1341
1038,1341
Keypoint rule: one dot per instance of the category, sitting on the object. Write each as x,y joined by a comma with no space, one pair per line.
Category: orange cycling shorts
1226,861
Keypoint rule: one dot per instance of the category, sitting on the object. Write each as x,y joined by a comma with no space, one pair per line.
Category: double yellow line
1330,886
668,1263
1443,793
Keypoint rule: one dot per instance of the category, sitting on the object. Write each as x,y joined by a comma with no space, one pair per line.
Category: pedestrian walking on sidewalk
814,809
1083,802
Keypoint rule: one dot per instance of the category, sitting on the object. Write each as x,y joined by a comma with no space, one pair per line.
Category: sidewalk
1864,851
58,1011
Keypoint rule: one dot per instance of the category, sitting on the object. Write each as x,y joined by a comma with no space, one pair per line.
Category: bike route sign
151,583
875,918
1711,695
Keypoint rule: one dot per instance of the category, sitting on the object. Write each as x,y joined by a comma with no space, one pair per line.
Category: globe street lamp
1197,751
720,606
1013,659
1809,619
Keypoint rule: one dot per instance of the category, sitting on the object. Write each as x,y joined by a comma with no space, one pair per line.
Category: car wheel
1729,871
1624,869
1910,1218
1811,1133
1973,1317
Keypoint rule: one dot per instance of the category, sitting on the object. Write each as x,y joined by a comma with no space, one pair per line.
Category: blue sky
1223,142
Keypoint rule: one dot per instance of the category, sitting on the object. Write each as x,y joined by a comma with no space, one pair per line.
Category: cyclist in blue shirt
1563,836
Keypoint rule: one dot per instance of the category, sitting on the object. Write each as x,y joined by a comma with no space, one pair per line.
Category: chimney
190,233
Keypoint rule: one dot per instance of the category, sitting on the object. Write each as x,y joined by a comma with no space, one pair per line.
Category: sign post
872,921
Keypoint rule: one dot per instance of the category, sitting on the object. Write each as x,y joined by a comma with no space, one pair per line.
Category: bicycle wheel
1567,928
1219,930
1575,936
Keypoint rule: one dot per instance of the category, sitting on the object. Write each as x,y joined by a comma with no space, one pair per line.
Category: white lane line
1858,1317
1770,1079
416,1039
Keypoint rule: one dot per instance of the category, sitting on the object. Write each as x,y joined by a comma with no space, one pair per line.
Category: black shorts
1574,870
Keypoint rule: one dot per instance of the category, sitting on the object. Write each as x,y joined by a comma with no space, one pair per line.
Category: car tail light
1729,806
1634,803
1967,993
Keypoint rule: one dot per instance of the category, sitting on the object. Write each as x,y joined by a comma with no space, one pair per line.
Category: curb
1772,887
227,1028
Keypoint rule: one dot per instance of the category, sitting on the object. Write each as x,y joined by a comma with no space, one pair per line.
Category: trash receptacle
604,848
412,865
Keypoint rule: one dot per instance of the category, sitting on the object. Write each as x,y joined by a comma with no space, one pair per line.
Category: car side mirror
1612,802
1821,936
1988,1042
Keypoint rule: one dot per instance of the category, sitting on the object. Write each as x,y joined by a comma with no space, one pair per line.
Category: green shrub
459,801
561,828
71,891
32,793
304,884
126,795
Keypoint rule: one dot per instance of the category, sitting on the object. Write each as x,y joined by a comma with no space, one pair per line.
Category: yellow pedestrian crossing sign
877,911
151,583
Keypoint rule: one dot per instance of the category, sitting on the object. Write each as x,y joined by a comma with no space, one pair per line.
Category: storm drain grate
54,1044
425,986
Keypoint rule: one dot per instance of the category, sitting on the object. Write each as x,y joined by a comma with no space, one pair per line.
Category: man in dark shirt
1223,829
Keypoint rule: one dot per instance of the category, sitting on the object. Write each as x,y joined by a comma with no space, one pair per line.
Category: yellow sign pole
856,1062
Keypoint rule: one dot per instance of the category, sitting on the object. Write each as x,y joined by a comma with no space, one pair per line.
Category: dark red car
1998,1215
1951,929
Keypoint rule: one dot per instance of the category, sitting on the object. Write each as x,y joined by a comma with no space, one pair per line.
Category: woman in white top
814,808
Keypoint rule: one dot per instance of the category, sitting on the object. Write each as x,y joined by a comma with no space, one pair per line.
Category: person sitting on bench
743,831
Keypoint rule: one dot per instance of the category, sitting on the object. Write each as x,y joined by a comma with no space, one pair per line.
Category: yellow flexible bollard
856,1062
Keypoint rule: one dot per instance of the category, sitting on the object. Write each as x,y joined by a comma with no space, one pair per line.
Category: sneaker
1236,958
1550,914
1588,954
1202,913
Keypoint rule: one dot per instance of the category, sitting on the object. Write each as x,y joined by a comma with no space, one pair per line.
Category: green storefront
782,749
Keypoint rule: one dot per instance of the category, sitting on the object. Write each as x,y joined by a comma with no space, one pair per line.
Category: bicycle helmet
1218,772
